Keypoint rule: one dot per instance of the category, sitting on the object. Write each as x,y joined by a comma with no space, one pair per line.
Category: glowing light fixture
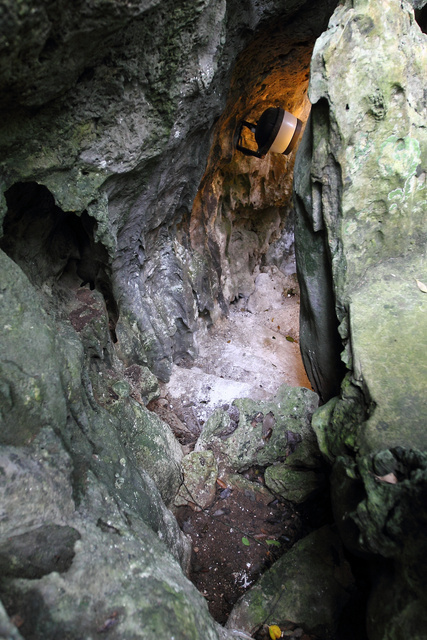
276,131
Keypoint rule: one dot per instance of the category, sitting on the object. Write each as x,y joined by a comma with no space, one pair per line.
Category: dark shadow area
241,535
51,245
421,18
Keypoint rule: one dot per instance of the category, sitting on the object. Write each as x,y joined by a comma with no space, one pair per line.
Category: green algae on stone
296,485
31,389
122,573
364,188
389,338
309,585
266,431
153,445
392,519
199,475
337,422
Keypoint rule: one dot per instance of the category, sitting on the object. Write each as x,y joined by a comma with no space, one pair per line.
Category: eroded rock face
84,527
113,112
108,111
361,196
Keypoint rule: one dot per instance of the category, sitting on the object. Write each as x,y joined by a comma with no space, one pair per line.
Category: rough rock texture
261,432
360,186
108,110
296,485
111,107
107,114
81,519
243,213
309,585
200,472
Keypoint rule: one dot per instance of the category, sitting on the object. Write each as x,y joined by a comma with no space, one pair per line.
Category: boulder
309,585
200,472
264,432
296,485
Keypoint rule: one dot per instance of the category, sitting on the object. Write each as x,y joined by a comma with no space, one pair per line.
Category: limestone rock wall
107,114
112,108
360,182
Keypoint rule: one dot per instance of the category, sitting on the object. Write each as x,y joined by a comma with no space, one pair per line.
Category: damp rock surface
86,542
360,194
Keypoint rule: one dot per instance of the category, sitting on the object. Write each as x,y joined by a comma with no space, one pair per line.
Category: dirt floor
249,354
238,537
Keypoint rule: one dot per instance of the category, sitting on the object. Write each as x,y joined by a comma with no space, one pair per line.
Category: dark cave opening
421,18
51,245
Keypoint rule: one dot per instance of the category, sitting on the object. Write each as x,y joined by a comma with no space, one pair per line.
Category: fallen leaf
274,631
290,339
273,543
421,286
390,478
245,541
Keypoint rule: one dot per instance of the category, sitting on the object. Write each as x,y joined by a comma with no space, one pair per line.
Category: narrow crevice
421,18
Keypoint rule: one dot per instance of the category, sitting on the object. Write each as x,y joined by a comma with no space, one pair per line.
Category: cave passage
243,216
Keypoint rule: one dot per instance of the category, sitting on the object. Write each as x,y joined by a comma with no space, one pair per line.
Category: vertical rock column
361,198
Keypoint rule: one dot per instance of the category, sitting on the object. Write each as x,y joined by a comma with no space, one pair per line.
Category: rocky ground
245,528
249,354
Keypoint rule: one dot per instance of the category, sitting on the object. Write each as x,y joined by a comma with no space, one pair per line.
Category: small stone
200,473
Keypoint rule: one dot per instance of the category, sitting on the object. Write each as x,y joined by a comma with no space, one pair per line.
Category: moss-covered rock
309,585
154,447
266,431
361,199
296,485
88,543
363,158
31,397
199,475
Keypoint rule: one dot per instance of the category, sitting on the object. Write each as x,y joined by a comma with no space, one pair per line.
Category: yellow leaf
421,286
274,631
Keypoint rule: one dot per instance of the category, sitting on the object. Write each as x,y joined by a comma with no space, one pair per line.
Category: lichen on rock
265,432
360,234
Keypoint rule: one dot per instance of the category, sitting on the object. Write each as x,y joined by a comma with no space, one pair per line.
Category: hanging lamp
277,131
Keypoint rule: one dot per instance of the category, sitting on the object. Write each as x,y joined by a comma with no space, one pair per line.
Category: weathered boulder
296,485
86,542
199,475
153,445
261,432
121,577
309,585
360,186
